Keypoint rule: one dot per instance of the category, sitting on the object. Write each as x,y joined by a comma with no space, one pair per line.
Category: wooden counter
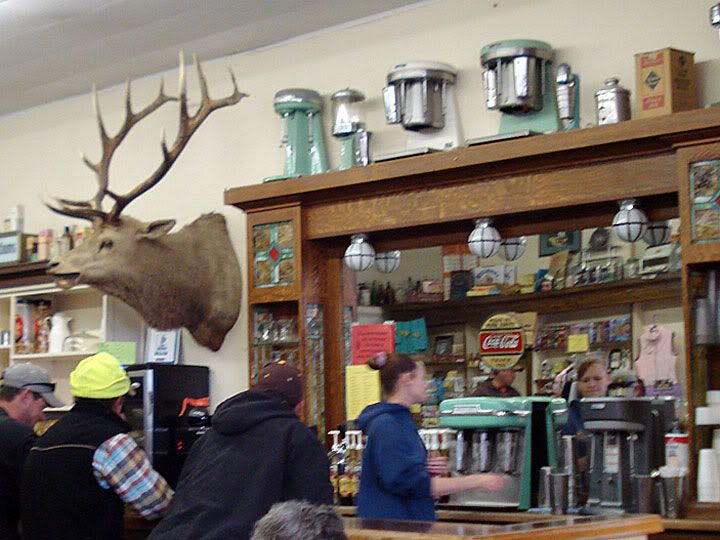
564,527
674,529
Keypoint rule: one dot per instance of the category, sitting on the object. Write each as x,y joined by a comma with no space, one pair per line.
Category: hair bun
379,361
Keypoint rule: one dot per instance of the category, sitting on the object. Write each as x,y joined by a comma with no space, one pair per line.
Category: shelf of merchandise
664,286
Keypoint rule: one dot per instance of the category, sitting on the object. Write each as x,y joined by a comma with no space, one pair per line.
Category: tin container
612,103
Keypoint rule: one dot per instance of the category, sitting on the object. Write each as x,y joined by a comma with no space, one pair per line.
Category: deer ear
156,229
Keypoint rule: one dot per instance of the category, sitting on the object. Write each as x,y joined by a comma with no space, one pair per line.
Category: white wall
39,147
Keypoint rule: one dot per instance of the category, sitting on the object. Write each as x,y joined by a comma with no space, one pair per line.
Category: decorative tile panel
705,200
273,254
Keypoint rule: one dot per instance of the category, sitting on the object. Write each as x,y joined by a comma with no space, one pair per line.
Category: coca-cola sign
502,341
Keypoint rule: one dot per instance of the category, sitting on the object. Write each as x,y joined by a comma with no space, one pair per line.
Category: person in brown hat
256,454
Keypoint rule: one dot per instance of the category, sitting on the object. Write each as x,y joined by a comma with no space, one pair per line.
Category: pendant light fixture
511,249
484,241
630,222
657,233
359,255
387,261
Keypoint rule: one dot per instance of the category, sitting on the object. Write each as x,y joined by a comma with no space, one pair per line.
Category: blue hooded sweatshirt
394,483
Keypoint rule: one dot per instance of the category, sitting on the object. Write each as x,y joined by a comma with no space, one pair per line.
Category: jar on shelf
41,325
24,335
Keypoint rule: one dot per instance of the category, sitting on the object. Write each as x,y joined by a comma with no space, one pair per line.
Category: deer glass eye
106,244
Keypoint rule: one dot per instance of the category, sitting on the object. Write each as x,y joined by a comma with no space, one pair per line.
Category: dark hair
8,393
584,366
394,365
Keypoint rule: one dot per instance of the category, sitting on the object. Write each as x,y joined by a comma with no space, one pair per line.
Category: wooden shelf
573,299
15,275
593,347
51,356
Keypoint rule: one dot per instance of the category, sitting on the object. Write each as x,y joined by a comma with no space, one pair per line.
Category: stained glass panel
273,254
705,200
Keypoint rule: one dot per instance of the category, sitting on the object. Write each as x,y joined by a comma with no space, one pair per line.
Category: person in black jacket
25,390
256,454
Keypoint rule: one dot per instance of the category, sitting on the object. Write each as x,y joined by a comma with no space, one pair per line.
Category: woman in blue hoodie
396,480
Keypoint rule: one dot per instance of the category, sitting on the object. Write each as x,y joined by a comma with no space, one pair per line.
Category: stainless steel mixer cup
506,446
482,452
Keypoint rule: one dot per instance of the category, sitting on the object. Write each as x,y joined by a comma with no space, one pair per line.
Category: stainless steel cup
559,493
674,496
545,489
506,445
644,488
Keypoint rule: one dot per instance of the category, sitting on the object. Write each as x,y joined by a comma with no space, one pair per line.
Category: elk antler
92,209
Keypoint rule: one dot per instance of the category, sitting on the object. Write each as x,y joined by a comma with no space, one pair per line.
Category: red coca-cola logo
510,342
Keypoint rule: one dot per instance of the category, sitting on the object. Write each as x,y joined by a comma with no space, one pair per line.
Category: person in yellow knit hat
84,470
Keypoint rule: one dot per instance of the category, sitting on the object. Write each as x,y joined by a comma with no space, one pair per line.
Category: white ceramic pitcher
59,331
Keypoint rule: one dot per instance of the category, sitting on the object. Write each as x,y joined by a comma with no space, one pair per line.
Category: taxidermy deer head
187,279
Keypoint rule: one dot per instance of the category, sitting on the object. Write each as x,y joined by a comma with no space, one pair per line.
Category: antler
92,209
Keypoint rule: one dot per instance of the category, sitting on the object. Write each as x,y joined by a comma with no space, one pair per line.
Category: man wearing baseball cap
256,454
84,470
25,390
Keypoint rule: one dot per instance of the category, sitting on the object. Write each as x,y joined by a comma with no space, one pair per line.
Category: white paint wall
39,147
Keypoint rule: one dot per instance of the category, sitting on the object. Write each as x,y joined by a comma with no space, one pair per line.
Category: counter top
480,516
635,526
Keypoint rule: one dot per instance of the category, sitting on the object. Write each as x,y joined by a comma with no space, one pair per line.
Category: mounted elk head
188,279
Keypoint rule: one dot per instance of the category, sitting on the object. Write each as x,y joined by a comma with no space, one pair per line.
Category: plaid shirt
121,465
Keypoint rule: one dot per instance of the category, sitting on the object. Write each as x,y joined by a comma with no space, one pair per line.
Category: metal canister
612,103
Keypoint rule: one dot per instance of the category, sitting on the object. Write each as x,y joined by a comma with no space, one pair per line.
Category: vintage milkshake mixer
302,136
510,436
519,81
421,97
349,129
627,443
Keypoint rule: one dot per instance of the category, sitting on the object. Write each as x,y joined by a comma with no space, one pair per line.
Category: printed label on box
653,102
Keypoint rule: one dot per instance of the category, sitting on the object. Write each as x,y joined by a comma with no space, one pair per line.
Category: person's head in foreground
295,520
284,381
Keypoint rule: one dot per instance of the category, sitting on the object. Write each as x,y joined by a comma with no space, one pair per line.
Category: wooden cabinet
698,171
561,181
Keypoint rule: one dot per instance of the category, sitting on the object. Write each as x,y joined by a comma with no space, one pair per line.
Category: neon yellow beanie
99,376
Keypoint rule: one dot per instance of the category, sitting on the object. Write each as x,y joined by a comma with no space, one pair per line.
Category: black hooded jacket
257,453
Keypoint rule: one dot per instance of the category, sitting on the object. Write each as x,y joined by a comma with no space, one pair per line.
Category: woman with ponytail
397,480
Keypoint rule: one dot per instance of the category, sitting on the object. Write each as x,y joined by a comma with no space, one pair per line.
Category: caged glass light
359,255
657,233
485,240
511,249
630,222
387,261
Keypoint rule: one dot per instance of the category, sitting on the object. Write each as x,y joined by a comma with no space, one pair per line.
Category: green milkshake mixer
302,137
520,82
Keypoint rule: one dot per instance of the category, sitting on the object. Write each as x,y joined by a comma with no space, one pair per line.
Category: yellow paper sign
362,388
578,343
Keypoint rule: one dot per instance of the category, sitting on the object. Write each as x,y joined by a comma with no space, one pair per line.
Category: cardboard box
664,82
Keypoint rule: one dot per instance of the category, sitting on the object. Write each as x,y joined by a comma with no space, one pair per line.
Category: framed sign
162,346
551,243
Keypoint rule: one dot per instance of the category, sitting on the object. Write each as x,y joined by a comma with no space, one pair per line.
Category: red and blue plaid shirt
121,465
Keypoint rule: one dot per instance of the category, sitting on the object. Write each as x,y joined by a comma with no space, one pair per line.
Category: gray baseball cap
33,377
